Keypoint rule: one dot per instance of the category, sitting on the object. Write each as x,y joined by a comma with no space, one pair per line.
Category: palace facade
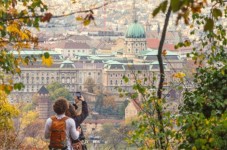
106,70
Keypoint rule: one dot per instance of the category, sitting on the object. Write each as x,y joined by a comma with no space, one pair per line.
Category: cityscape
110,51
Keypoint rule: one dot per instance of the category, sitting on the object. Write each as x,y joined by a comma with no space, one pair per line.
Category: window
111,82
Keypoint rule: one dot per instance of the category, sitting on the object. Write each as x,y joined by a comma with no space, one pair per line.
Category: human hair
60,106
70,112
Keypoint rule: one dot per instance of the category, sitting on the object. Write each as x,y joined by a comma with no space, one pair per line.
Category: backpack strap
55,118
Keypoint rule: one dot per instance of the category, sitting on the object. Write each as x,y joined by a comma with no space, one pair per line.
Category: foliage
57,90
30,130
116,140
11,128
201,121
15,19
109,102
89,84
204,109
7,112
121,109
147,127
105,105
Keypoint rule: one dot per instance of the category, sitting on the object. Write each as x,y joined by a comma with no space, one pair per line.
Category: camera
78,95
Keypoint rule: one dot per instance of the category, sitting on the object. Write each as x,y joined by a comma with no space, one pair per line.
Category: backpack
58,133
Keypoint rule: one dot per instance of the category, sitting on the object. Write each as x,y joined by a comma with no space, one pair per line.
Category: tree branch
162,75
59,16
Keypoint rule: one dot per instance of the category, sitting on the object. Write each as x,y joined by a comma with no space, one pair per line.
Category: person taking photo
60,129
78,118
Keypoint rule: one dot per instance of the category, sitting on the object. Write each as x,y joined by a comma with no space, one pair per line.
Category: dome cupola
135,30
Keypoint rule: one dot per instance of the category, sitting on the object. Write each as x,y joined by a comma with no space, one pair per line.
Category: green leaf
18,86
164,6
217,13
209,25
175,5
125,79
156,11
161,7
46,55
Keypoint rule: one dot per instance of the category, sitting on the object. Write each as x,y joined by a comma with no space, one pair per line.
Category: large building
76,63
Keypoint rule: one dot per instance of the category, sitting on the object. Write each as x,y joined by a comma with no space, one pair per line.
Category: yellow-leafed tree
16,20
7,113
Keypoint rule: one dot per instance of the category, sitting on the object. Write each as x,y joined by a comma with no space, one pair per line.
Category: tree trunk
162,76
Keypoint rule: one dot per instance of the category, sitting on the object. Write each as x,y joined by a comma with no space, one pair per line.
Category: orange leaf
164,52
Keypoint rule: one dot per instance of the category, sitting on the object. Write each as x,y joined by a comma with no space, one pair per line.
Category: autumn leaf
10,81
24,36
1,27
8,111
164,52
17,70
79,18
13,28
139,81
209,25
47,61
179,75
86,22
46,17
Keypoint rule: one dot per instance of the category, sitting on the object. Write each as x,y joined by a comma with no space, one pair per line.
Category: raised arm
80,118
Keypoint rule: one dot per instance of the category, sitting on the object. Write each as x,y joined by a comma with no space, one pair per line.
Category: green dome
135,30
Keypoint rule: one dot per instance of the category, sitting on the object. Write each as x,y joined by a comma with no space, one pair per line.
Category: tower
44,103
135,37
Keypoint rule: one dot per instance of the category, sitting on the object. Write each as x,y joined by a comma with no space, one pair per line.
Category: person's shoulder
48,121
69,120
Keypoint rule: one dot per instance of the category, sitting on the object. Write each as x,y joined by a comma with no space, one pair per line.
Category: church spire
134,17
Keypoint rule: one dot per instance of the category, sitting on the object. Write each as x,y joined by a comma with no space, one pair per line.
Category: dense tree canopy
16,18
200,121
57,90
